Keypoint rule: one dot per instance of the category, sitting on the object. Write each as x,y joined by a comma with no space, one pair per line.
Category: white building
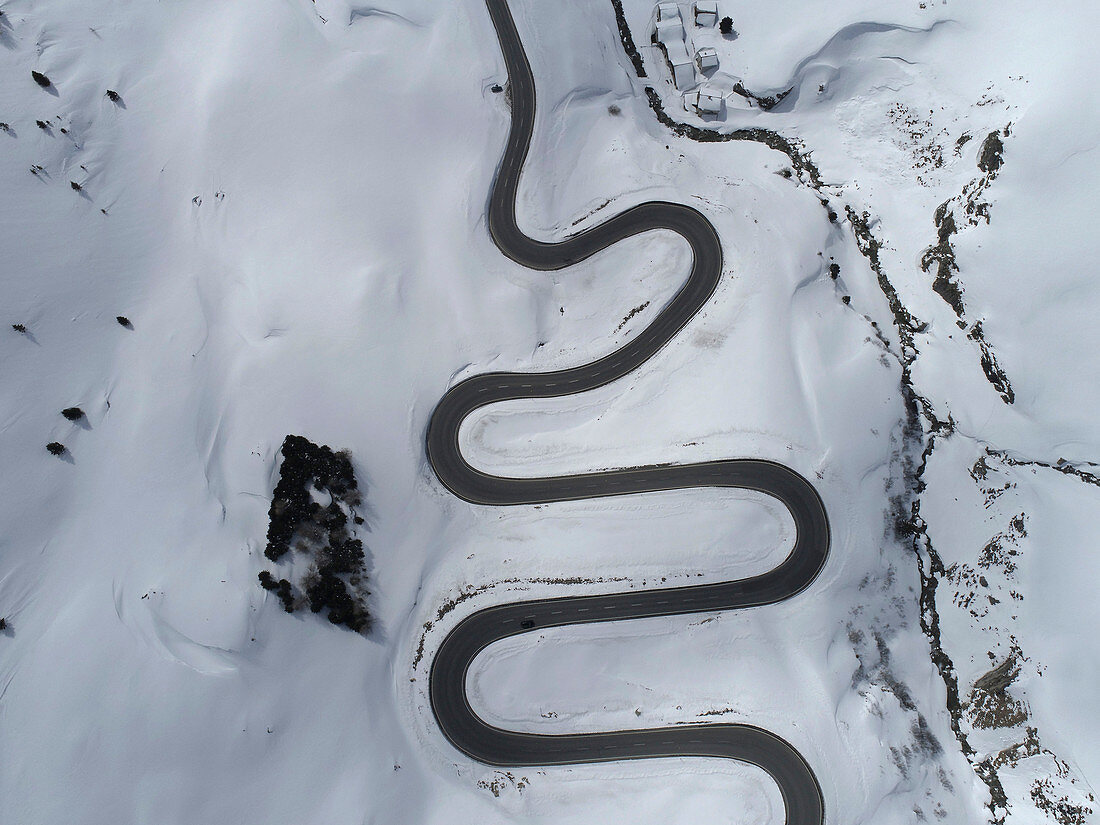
706,12
668,11
706,58
670,30
709,101
683,70
704,101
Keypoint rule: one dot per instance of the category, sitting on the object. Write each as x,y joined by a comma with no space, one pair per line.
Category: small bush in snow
124,321
726,26
55,448
19,327
41,80
73,413
114,96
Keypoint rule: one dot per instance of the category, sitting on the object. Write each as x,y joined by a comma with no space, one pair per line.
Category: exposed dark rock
942,255
991,156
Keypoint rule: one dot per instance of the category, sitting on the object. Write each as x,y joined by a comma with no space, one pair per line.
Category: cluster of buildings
670,33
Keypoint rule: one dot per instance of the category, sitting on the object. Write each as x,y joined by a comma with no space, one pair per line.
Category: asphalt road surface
460,724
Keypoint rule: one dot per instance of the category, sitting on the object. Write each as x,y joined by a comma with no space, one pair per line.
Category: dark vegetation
765,102
124,321
73,413
114,96
774,140
19,327
628,40
41,79
726,26
282,588
76,186
313,505
55,448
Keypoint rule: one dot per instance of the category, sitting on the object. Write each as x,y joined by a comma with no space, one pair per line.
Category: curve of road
469,733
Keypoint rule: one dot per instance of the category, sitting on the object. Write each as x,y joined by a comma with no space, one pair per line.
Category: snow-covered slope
287,202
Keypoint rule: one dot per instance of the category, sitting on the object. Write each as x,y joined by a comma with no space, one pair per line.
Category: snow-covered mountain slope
287,202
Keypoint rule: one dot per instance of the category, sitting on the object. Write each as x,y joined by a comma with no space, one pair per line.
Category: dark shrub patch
41,80
55,448
73,413
311,511
726,26
114,96
306,465
19,327
124,321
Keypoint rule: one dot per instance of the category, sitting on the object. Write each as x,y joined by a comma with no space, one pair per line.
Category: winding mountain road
473,736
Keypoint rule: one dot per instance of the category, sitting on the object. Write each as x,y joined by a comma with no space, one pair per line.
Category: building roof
677,53
670,31
710,100
710,6
668,11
